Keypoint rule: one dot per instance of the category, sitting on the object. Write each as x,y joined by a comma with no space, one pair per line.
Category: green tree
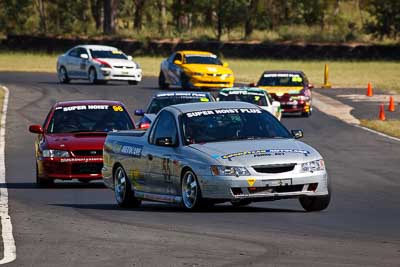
386,15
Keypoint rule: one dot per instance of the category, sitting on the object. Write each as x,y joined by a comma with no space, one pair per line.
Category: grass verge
389,127
343,74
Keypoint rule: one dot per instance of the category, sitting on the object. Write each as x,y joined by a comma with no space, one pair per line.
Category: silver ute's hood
257,152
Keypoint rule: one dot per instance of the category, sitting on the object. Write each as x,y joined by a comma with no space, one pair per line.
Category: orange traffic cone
382,116
391,104
369,90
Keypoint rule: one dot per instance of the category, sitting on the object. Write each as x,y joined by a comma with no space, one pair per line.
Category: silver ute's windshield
202,59
116,54
231,124
281,79
89,118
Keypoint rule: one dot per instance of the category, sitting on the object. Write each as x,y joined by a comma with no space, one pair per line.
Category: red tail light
144,125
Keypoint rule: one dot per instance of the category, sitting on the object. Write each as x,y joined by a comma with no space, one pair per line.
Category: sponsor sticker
197,95
84,107
251,181
84,160
281,75
131,150
242,92
222,111
200,55
265,152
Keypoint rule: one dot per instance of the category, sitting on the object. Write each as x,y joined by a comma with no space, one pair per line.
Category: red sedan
69,145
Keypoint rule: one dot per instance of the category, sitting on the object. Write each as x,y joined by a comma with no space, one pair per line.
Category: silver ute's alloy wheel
191,194
124,195
120,185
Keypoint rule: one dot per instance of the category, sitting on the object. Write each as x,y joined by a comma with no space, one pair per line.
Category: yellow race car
193,70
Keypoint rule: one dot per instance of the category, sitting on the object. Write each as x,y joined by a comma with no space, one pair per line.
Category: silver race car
204,153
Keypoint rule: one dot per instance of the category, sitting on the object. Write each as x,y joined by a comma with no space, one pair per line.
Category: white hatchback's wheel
133,82
191,193
63,75
93,76
123,190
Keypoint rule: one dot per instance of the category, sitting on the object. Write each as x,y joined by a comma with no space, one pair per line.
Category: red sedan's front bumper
86,168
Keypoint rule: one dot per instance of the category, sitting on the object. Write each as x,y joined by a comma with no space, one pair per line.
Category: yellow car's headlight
227,75
197,74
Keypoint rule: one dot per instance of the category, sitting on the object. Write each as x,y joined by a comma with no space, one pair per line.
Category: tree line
211,19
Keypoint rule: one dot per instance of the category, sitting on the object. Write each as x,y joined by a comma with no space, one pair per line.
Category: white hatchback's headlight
229,171
312,166
52,153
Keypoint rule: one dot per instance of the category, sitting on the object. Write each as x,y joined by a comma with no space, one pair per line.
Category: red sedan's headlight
53,153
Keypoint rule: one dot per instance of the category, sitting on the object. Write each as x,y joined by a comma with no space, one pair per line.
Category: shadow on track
86,84
161,207
71,185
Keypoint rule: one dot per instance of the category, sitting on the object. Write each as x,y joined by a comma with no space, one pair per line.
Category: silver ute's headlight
229,171
312,166
51,153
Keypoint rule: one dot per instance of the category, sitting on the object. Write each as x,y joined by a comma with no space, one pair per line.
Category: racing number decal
82,66
118,108
166,170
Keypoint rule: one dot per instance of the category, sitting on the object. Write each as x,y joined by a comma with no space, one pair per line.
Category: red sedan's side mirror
310,86
252,85
36,129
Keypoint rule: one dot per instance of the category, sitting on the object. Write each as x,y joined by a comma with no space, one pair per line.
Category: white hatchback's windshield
231,124
116,54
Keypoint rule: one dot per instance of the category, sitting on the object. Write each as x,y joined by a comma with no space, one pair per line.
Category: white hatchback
98,64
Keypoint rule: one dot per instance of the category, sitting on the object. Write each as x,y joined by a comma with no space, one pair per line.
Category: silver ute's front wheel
123,190
191,194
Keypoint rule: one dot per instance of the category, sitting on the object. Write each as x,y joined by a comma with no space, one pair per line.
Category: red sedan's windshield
89,118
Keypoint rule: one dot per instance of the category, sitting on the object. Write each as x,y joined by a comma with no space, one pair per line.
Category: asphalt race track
75,224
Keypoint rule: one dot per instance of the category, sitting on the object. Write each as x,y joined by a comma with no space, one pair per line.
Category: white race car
98,64
252,95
